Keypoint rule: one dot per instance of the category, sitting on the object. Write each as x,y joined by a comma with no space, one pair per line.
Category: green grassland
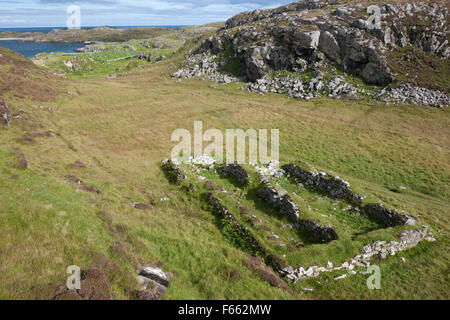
121,130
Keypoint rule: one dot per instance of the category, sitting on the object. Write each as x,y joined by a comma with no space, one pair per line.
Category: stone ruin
387,217
173,171
382,249
318,232
237,172
335,186
280,200
340,189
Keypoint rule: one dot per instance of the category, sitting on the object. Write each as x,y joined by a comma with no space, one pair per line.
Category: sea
31,49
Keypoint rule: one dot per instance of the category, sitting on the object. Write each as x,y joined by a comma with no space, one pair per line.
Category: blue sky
52,13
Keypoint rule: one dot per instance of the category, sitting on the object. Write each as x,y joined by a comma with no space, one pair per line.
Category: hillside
318,48
83,182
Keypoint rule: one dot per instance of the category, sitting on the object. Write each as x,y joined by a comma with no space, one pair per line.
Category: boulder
376,74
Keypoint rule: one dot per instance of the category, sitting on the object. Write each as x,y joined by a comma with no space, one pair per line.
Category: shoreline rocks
318,232
335,186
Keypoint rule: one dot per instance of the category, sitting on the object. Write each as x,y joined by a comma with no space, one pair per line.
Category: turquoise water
31,49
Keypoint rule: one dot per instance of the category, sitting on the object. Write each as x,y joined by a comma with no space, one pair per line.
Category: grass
121,129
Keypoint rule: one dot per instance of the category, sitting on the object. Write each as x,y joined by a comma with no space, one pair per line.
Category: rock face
280,200
237,172
318,232
5,115
315,36
335,186
387,217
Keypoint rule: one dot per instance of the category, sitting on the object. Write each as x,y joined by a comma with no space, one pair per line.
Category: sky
53,13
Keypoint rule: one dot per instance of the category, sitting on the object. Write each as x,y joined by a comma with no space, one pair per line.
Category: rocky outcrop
236,171
280,200
387,217
319,233
173,171
5,115
300,39
334,186
381,249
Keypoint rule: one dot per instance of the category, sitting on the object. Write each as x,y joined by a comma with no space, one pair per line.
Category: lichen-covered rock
5,115
280,200
387,217
318,232
237,172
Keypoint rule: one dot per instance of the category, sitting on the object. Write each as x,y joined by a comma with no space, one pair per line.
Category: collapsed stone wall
318,232
335,186
280,200
341,189
407,239
173,171
237,172
387,217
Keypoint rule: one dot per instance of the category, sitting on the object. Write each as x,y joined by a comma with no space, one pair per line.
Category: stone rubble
382,249
407,93
318,232
203,66
271,170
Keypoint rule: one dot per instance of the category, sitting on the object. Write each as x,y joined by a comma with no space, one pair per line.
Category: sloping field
97,147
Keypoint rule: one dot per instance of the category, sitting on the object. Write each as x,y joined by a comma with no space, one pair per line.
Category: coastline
14,39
